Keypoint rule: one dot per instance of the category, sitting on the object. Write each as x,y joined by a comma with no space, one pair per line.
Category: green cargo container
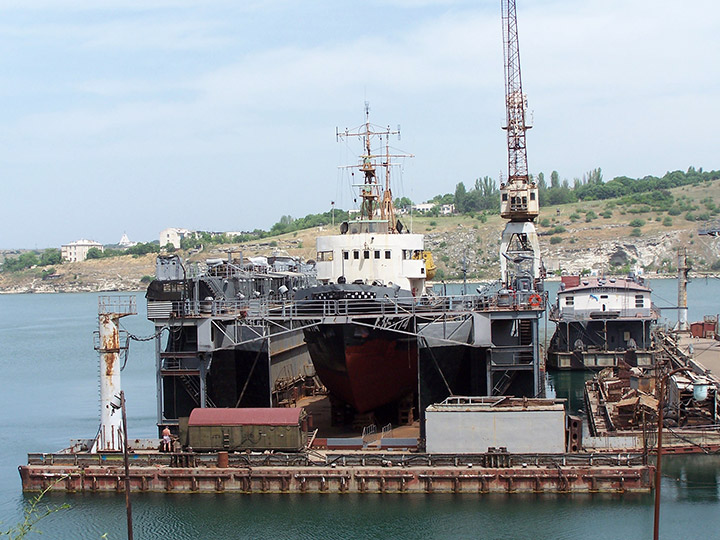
233,430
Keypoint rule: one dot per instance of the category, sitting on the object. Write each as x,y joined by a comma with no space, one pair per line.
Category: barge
601,322
392,472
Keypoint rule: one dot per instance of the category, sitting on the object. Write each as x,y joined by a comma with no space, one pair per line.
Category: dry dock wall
528,479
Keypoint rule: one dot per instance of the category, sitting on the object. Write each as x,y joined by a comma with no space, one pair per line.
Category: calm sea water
50,394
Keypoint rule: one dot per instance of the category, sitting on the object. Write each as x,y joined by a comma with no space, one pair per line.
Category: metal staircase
192,385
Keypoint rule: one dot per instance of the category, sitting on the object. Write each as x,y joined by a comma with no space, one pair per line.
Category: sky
130,116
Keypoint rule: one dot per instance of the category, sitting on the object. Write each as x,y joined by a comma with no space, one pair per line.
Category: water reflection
695,477
568,385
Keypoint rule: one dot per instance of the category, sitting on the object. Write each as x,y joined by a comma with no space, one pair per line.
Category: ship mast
519,247
377,201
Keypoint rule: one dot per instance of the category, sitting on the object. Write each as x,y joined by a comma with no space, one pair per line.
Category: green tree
402,202
50,256
460,198
554,179
542,189
94,253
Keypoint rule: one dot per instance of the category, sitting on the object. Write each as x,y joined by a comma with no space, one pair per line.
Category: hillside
611,236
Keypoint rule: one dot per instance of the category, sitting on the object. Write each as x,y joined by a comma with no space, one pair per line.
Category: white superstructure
372,258
599,298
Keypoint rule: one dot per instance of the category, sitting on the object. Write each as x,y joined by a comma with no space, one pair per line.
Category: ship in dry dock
601,322
379,337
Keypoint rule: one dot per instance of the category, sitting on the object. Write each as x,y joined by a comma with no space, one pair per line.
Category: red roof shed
245,417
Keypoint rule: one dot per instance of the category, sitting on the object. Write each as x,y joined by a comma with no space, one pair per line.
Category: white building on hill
77,251
125,241
173,235
424,207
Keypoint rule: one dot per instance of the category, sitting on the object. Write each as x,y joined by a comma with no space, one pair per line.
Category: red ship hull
366,368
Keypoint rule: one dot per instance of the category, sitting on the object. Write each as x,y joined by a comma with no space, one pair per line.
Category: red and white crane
520,264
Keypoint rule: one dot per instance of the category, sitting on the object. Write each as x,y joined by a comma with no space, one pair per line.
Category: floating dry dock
493,472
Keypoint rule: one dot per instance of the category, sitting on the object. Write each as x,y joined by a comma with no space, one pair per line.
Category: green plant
545,222
637,223
667,222
607,214
33,512
574,216
146,279
636,232
442,244
590,215
556,240
433,223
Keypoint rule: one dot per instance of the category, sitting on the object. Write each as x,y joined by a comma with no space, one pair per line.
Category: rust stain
109,364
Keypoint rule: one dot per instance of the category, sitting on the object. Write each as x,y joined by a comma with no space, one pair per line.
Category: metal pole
658,474
128,506
108,439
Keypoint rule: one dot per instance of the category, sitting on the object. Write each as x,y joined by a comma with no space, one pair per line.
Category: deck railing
259,308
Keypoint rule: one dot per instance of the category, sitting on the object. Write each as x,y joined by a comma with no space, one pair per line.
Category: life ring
535,300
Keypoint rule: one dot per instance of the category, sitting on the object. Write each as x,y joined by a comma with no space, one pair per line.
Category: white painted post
110,435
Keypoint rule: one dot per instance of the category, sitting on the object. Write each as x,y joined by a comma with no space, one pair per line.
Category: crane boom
520,265
519,196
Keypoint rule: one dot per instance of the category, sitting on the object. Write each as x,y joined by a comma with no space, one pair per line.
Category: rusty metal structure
376,203
683,270
393,472
214,345
519,204
623,403
110,310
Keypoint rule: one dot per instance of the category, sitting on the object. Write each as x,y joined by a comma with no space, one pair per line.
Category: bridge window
366,254
377,253
356,254
569,300
639,301
324,256
387,253
346,255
